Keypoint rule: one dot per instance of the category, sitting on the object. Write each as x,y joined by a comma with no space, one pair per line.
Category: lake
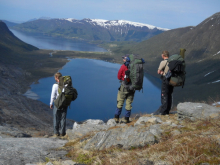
47,42
95,80
97,85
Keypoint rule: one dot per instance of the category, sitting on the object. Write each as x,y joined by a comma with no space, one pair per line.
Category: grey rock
161,163
156,130
111,122
137,117
194,111
173,125
204,164
95,122
49,163
68,162
143,120
125,137
144,161
22,151
89,126
7,131
30,164
175,132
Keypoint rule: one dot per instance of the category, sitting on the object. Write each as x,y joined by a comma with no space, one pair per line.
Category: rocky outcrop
194,111
88,127
22,151
124,137
102,135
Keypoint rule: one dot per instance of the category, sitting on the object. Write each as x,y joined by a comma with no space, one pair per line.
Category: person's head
165,54
57,76
124,57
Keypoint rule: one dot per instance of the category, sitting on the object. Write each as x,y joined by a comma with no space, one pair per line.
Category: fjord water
47,42
97,84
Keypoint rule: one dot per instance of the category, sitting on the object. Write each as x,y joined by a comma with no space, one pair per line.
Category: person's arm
159,72
161,68
120,72
53,95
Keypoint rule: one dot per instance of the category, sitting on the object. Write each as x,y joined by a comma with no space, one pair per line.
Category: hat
125,56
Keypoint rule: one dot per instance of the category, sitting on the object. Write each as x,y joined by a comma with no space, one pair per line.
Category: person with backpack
166,88
59,115
123,92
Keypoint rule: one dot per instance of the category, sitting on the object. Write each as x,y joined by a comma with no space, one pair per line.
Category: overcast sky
161,13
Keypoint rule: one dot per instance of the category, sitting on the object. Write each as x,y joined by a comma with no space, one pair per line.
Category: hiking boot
116,119
125,120
64,136
55,136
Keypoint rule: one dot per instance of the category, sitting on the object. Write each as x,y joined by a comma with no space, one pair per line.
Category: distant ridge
92,29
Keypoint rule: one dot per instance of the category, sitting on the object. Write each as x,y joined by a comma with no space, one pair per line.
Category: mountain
9,42
10,24
92,29
202,44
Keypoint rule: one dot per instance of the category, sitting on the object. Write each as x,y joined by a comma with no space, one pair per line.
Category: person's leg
170,98
120,102
164,99
58,119
128,106
63,121
55,126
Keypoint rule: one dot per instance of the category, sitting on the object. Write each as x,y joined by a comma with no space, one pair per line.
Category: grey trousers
59,120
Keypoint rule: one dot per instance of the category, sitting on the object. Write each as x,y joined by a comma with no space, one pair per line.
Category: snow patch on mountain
209,73
123,23
106,23
216,53
70,19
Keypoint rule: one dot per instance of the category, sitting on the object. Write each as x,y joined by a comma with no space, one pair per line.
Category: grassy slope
192,144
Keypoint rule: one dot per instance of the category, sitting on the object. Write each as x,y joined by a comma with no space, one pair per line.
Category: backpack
136,74
67,93
176,74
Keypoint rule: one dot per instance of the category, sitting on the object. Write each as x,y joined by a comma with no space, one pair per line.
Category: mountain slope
10,24
92,29
8,42
202,57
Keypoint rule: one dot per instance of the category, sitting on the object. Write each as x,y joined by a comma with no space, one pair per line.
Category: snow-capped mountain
93,29
117,23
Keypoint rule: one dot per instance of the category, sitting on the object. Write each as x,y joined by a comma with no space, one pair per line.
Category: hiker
59,115
124,93
166,89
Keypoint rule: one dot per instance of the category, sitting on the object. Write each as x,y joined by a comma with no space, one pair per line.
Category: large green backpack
136,72
176,74
67,93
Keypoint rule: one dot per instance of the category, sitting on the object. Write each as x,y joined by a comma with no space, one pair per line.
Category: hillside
22,64
202,43
91,29
9,42
9,24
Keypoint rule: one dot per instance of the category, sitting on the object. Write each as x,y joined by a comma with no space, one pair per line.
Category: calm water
46,42
97,84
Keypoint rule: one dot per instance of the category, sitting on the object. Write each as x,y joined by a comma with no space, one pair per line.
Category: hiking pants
59,120
166,98
124,94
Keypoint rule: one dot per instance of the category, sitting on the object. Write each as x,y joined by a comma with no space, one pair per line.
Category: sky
161,13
